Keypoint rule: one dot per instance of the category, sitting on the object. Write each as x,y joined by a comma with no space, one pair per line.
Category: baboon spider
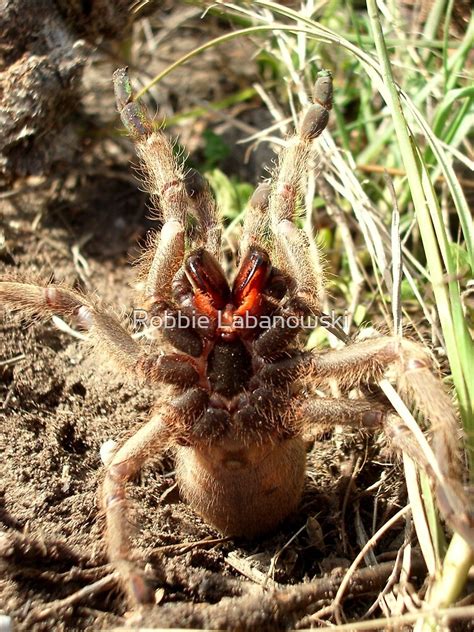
243,385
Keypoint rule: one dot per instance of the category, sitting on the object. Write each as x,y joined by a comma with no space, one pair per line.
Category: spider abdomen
242,490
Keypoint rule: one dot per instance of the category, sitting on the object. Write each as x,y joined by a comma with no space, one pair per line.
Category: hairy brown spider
243,385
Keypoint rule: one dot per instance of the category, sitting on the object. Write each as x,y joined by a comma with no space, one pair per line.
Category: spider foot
134,584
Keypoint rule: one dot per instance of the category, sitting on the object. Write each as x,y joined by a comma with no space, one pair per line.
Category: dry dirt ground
59,404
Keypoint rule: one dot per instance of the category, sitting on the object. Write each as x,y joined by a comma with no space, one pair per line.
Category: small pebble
107,450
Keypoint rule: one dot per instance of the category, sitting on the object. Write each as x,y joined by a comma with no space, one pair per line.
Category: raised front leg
165,180
293,250
274,206
176,194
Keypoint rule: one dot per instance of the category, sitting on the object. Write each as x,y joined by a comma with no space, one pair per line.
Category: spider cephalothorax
243,388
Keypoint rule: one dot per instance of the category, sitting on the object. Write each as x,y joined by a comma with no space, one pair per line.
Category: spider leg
331,411
104,328
162,431
106,332
293,251
256,229
369,361
205,209
153,437
172,368
452,500
174,192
